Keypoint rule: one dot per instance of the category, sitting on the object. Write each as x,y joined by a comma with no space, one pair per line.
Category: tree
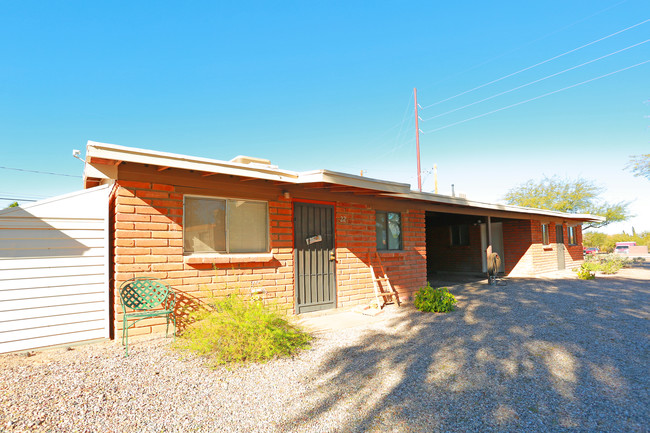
640,165
14,204
567,195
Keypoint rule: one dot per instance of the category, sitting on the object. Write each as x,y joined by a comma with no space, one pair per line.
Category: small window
571,234
213,225
460,235
389,230
545,236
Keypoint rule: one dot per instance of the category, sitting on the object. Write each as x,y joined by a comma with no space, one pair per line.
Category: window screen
225,226
389,230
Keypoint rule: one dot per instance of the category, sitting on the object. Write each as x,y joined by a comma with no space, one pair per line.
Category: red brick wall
445,257
356,239
575,254
516,243
149,243
539,258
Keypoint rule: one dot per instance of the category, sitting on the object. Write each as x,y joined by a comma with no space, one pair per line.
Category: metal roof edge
347,179
9,210
167,159
430,197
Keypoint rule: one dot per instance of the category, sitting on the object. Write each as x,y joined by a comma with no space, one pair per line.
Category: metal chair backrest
144,293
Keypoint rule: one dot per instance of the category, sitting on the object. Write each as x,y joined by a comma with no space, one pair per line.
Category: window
389,230
571,234
212,225
545,238
460,235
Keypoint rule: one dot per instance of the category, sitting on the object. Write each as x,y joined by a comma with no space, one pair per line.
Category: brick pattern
149,243
517,238
356,240
539,258
448,258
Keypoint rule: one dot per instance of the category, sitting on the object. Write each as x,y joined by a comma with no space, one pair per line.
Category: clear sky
313,85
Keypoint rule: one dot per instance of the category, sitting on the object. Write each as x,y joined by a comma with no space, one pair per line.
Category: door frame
321,204
559,244
497,229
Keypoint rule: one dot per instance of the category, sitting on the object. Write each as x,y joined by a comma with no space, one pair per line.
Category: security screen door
314,257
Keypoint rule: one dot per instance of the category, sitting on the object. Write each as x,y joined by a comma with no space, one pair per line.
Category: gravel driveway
549,354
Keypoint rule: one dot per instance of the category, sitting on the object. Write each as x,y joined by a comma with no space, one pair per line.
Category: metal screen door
314,257
559,240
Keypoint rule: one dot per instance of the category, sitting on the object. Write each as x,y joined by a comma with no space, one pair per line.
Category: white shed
54,271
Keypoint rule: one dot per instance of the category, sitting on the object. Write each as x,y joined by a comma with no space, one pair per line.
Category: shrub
438,300
585,274
233,330
607,264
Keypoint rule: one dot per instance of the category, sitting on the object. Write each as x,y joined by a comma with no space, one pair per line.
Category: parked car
591,251
622,249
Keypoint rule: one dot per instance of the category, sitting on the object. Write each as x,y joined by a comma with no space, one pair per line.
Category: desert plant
585,274
234,330
438,300
607,263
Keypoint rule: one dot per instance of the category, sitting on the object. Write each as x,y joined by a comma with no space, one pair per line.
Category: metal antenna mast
417,138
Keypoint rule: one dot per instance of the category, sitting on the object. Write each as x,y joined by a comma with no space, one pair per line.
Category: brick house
303,240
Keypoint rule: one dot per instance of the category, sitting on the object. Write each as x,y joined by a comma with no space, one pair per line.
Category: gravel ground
549,354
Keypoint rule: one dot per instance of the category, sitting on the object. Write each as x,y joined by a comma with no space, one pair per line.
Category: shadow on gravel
535,355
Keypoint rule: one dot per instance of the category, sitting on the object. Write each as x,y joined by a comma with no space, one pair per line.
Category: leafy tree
640,165
607,242
14,204
567,195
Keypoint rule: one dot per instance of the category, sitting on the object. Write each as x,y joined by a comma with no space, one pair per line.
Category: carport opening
456,244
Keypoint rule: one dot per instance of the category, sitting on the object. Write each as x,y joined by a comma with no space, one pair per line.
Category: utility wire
535,65
535,98
534,82
16,199
39,172
541,38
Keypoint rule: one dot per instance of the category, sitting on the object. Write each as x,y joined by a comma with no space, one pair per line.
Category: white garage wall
54,271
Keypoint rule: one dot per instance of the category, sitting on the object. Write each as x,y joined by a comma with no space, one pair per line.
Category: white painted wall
54,271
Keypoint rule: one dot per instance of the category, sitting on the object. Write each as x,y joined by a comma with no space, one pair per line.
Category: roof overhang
464,203
102,161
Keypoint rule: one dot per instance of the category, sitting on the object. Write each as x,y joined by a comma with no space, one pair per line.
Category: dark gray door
314,255
559,240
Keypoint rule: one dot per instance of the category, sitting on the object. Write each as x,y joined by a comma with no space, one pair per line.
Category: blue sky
330,85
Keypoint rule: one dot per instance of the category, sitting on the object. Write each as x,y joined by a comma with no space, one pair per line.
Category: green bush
607,263
438,300
233,330
584,273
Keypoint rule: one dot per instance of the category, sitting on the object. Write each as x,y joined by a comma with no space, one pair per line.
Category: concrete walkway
330,320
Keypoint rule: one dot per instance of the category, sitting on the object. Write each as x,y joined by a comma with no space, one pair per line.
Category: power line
535,98
541,38
16,199
534,82
535,65
39,172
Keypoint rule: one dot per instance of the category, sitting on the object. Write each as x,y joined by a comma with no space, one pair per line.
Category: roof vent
241,159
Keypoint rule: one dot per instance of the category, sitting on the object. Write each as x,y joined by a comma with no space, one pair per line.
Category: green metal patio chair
145,298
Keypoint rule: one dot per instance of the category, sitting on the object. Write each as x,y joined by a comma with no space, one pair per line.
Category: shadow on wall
25,235
556,355
221,280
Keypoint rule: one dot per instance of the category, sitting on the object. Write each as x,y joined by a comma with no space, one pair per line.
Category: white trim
259,171
226,253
